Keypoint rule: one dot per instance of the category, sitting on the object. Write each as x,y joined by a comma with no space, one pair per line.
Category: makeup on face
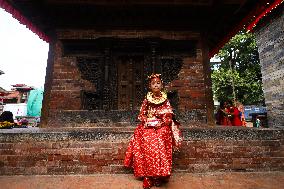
156,85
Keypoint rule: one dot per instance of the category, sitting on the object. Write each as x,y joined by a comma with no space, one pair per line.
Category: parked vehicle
254,110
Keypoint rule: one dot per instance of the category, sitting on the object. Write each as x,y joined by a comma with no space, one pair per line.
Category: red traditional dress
225,120
236,117
150,149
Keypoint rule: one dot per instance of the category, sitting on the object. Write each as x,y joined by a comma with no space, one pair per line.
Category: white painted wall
16,109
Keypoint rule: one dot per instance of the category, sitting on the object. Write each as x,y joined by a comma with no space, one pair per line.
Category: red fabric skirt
149,152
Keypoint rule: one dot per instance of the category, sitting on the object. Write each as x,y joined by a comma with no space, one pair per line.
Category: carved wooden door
130,82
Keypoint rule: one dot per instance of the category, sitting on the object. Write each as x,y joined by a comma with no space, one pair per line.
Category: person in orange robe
150,149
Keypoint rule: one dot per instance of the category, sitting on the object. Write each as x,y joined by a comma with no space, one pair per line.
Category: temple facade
100,78
99,57
101,53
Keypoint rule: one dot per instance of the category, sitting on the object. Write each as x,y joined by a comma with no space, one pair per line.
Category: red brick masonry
88,151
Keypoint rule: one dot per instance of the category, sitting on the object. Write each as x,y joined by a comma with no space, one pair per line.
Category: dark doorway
130,81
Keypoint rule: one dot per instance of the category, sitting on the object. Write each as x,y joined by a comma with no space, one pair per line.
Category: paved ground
260,180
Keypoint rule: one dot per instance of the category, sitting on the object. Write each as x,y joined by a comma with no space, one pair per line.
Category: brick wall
63,106
270,41
49,152
66,82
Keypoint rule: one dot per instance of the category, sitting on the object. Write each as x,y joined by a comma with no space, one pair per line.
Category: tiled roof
12,94
2,90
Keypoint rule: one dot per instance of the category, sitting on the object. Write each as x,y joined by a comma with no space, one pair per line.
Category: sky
23,55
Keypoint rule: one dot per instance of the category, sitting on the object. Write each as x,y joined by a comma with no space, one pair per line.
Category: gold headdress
152,76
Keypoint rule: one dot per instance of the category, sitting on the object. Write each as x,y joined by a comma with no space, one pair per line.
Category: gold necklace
150,97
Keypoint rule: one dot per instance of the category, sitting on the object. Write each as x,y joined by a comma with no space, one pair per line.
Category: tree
239,65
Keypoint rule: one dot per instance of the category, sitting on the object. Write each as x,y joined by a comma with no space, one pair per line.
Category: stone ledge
102,150
114,118
118,133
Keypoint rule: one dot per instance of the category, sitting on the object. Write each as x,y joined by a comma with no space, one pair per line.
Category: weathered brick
202,150
270,43
67,77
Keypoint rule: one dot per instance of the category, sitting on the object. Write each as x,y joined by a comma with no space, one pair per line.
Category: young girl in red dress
150,150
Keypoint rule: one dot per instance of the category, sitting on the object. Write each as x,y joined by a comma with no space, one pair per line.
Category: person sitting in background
219,115
240,107
7,116
225,118
257,122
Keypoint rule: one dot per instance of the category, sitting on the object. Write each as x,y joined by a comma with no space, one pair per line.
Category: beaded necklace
156,100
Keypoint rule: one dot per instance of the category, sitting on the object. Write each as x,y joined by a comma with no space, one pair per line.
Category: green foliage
241,52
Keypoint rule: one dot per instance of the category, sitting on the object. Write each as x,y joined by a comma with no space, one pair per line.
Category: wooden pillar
106,83
153,57
209,103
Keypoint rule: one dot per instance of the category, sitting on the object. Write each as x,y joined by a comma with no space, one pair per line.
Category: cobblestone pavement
224,180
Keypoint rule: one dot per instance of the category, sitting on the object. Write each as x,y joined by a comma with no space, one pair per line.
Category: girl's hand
159,124
167,119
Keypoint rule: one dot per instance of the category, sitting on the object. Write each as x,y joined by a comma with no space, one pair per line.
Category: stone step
219,180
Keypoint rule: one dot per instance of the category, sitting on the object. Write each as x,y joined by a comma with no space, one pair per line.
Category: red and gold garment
150,149
236,121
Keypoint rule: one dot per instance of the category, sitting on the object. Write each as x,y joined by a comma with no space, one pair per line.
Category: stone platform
85,151
217,180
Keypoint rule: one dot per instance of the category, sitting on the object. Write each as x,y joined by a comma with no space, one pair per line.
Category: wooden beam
133,2
146,2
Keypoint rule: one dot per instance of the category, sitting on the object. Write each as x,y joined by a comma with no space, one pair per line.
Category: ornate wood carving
170,68
106,86
92,70
119,70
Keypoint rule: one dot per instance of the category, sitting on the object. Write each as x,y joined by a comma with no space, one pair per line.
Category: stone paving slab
224,180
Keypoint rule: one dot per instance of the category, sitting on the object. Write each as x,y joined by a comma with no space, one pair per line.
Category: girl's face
156,85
